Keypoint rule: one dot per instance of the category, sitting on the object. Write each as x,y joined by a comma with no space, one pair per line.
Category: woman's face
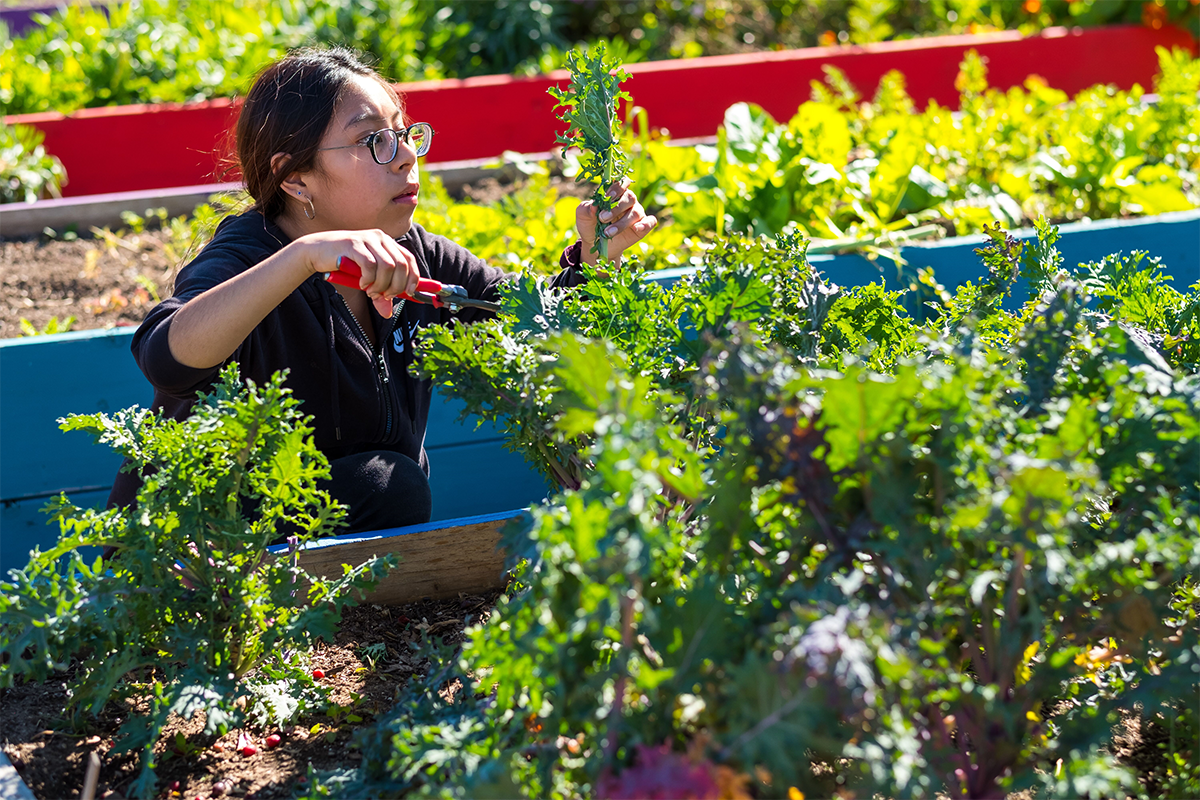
349,190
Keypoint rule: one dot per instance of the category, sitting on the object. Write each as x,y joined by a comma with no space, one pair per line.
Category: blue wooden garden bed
47,377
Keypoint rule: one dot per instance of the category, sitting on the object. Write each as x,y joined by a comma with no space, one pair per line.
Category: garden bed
49,377
557,529
807,540
158,146
100,286
111,279
51,758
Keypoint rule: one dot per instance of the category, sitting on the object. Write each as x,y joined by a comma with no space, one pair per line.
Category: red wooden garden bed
130,148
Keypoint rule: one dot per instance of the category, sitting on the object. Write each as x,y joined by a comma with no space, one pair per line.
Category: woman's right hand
388,269
211,326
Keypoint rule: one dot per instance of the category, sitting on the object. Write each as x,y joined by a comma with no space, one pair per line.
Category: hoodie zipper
380,365
383,340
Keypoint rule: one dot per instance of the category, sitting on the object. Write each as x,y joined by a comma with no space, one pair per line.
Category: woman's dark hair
287,110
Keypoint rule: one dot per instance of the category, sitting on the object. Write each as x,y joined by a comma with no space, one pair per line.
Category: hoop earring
313,215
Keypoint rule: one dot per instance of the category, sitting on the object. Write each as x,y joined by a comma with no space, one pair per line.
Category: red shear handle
349,274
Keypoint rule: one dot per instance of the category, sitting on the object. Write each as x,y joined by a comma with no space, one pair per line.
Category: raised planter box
83,212
47,377
11,785
132,148
1174,237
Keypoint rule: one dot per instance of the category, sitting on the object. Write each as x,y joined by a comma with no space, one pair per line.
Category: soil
99,283
52,759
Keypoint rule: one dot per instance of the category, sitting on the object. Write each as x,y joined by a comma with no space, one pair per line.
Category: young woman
330,159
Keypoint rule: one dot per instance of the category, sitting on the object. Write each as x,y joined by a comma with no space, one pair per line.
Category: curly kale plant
779,566
190,601
499,369
591,102
911,582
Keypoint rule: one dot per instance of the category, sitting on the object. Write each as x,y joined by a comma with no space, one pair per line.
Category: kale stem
602,201
614,718
560,473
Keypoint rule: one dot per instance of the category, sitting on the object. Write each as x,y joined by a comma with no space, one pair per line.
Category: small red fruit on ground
273,741
318,674
245,746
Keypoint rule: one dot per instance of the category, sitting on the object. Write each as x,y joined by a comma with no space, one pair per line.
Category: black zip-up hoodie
360,399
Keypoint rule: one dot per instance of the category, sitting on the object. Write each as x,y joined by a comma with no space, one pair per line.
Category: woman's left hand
625,224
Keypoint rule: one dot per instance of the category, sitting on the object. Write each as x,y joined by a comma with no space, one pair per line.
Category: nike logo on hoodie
399,339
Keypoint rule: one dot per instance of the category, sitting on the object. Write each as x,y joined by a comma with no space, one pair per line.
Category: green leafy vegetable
27,172
190,602
591,101
813,543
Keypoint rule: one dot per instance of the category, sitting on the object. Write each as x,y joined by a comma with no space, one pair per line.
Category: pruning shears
429,291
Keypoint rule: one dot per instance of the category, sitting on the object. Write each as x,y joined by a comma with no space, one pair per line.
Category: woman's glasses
385,144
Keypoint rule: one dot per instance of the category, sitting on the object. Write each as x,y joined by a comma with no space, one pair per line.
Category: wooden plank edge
18,220
11,785
438,560
119,338
84,212
386,533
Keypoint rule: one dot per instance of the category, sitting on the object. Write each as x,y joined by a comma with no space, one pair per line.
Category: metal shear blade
455,297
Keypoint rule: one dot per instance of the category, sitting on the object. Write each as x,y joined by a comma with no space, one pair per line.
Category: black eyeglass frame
404,134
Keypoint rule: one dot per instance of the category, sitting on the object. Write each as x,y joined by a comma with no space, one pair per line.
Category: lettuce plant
27,172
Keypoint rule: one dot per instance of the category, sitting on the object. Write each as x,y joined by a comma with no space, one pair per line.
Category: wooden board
43,378
84,211
439,560
11,785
